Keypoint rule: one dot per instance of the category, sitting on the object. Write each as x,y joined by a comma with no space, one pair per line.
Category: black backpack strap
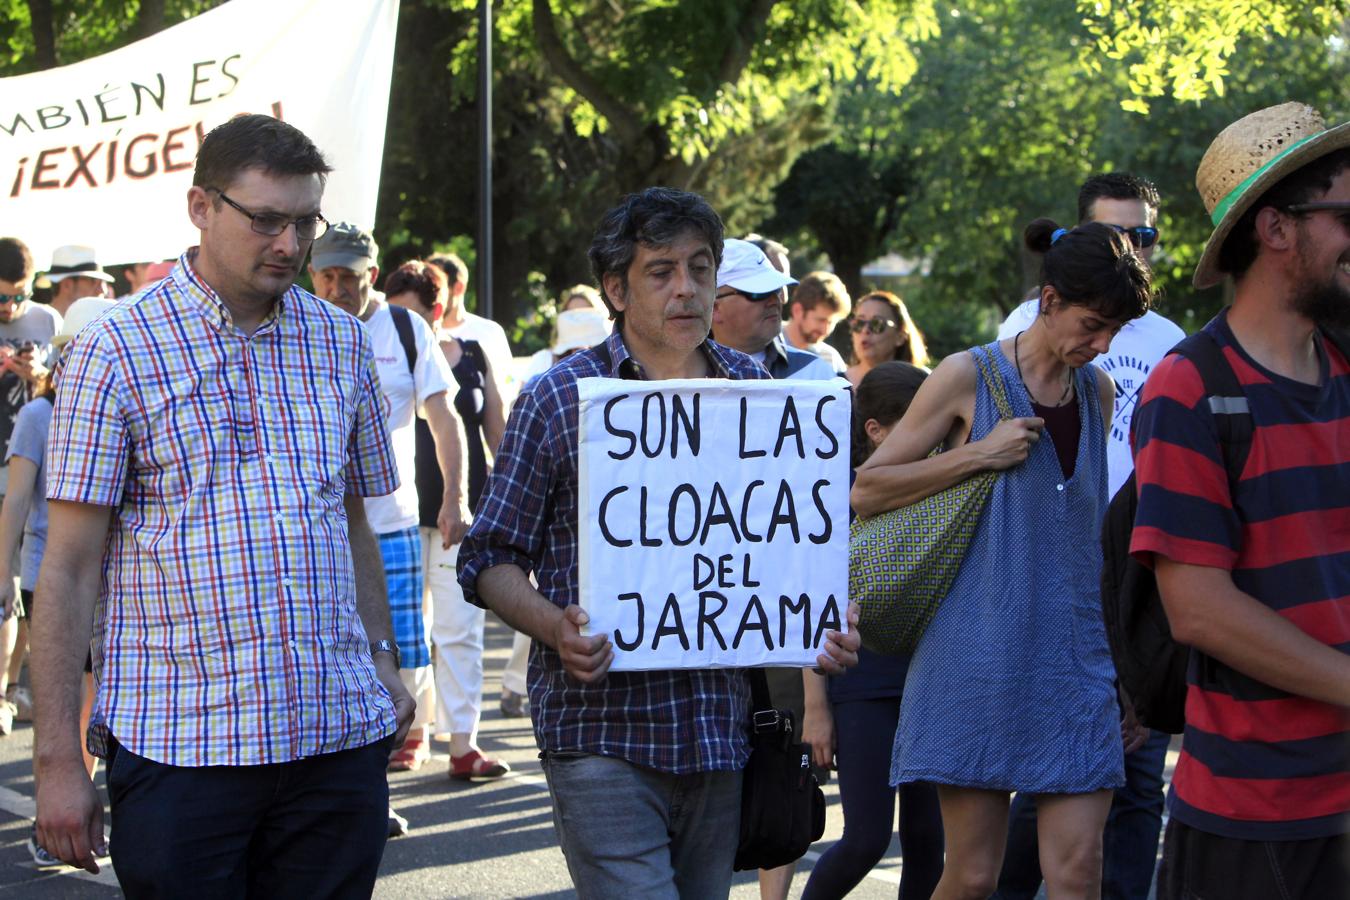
403,325
474,351
1227,402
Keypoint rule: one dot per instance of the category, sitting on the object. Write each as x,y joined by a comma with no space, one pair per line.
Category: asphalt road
490,840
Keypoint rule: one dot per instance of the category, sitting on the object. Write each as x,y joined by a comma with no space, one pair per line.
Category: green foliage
1000,126
80,28
1183,49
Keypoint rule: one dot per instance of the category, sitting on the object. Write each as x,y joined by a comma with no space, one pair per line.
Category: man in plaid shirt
214,435
644,768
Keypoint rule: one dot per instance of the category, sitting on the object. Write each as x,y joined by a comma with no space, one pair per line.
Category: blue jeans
1129,844
628,831
250,831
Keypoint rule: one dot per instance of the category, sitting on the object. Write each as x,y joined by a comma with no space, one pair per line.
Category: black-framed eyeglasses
876,326
307,228
1340,207
752,297
6,299
1141,236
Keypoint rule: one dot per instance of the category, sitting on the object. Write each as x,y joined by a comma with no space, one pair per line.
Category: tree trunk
44,34
149,20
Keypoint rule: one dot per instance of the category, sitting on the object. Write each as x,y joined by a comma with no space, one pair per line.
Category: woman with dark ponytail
853,719
1011,687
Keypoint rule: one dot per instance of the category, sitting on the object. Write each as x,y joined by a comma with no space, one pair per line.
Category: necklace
1017,359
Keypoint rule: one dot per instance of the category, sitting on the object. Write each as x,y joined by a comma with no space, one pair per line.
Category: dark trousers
309,828
866,730
1197,865
1129,843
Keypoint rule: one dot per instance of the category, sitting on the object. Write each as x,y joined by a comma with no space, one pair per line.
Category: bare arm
508,591
18,499
69,813
494,410
901,472
1208,612
818,719
372,605
447,430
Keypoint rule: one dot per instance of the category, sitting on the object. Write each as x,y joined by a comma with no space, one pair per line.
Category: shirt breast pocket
318,428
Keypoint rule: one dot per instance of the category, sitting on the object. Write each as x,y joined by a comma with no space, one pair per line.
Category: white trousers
517,667
457,639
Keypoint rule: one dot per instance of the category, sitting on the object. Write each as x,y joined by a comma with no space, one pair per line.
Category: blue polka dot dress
1012,686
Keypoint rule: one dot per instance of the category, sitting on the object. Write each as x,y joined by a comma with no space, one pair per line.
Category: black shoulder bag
782,806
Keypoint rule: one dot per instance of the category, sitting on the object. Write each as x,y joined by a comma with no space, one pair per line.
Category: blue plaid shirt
673,721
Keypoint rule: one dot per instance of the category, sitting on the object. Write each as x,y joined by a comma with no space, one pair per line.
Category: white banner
713,519
101,152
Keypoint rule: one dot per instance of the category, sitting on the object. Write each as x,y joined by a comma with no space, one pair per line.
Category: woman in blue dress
1011,687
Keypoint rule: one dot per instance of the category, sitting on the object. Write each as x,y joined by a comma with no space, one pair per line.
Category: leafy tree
993,135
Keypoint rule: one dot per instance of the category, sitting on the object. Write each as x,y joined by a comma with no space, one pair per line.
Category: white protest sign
101,152
713,519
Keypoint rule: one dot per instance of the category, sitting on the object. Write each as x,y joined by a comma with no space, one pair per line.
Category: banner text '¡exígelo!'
61,168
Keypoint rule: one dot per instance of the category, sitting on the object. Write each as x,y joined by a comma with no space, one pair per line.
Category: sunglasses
754,298
875,326
1141,236
1340,207
13,298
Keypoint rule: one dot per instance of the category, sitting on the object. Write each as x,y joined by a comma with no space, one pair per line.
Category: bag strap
403,325
992,381
1225,398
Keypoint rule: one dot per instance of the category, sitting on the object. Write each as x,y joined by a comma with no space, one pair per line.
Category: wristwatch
387,646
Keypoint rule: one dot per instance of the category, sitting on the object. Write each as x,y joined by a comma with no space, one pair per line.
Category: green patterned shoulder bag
903,562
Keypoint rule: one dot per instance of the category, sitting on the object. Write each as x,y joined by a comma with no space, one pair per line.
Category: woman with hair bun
852,720
1011,687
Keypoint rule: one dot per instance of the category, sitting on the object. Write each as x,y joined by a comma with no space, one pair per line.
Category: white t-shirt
406,392
1139,346
830,355
492,338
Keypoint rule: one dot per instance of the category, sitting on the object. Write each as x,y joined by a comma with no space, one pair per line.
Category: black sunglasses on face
1141,236
1341,209
6,299
754,298
307,228
876,326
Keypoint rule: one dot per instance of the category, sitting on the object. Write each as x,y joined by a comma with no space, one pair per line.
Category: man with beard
1254,577
214,437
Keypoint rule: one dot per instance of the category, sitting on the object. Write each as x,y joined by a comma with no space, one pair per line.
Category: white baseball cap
746,268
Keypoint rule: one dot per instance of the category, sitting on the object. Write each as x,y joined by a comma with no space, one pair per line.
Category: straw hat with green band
1247,159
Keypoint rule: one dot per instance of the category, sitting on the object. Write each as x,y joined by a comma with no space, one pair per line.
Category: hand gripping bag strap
902,563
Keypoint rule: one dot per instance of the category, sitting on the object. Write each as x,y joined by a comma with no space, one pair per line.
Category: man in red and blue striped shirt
1254,566
212,440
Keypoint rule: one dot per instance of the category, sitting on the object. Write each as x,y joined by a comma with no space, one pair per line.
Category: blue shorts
402,554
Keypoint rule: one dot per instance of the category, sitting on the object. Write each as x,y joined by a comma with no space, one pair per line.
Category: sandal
474,766
410,756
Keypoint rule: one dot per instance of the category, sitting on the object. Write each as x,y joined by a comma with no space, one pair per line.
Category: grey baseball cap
344,246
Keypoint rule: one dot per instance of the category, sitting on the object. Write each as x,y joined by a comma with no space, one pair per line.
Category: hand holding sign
586,659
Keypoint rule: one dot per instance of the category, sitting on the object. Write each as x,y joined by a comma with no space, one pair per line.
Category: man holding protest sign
215,436
644,767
